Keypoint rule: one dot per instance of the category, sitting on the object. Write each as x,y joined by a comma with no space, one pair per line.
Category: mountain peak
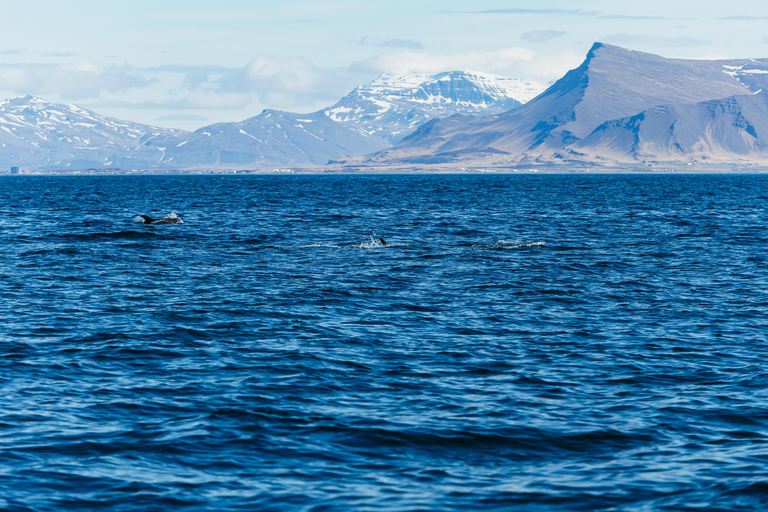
393,105
396,81
27,100
413,85
612,83
601,52
606,47
596,47
30,99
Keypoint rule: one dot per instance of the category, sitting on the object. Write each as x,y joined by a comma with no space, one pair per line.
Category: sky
186,64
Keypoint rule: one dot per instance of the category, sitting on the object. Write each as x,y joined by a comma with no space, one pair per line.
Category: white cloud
285,83
295,83
271,82
293,74
514,62
421,62
78,79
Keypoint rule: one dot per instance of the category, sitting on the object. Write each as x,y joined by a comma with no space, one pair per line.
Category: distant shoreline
404,170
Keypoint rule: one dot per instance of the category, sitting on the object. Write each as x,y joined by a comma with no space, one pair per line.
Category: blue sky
189,63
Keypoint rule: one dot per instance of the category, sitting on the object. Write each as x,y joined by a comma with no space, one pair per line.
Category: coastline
663,168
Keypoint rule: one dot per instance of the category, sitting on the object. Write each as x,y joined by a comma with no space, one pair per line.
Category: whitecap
310,246
510,244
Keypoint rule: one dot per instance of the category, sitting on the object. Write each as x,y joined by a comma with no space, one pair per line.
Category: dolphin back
171,218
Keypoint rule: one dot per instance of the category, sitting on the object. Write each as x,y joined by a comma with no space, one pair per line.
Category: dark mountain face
611,84
731,129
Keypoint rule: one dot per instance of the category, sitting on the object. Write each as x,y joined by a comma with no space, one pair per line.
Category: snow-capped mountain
36,133
618,106
273,138
392,106
371,118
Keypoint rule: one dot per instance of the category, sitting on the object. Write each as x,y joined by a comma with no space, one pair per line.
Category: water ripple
518,342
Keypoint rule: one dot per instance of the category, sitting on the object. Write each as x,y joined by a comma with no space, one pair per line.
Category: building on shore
14,170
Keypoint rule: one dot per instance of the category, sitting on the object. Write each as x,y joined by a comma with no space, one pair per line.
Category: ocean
384,343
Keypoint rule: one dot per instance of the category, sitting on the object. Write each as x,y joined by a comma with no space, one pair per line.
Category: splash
509,244
171,218
375,242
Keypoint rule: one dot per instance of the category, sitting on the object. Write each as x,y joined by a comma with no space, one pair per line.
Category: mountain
618,107
41,135
271,139
392,106
724,130
372,117
38,134
613,84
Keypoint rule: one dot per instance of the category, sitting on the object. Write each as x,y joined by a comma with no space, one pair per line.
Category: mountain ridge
611,83
370,118
68,136
384,111
618,107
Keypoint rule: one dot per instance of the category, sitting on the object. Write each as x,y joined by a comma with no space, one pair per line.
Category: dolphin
383,242
168,219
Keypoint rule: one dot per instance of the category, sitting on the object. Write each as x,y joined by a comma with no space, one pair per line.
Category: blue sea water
553,342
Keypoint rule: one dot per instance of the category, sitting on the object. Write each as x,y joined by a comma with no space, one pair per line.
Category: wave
375,242
509,244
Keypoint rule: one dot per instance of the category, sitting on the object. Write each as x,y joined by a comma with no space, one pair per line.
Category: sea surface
521,342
